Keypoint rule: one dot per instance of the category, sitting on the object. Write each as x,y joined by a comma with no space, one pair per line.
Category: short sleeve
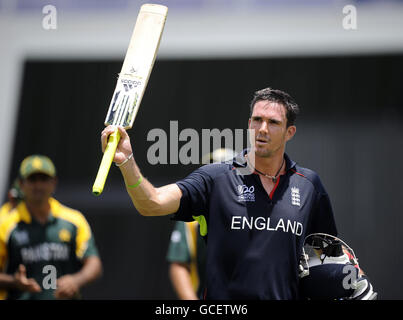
85,243
91,248
323,218
196,189
178,250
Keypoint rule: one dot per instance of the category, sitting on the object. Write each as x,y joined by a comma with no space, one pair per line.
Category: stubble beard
268,151
263,153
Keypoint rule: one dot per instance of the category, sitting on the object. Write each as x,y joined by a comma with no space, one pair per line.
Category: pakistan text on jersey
263,223
45,252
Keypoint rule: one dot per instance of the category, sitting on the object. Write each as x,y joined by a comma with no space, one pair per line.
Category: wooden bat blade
137,66
132,81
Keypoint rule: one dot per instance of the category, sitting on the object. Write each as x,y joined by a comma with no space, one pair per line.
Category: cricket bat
132,81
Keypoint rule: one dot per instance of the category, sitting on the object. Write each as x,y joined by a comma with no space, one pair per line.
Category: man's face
269,121
38,188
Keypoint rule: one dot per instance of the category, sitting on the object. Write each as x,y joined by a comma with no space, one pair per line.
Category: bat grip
106,162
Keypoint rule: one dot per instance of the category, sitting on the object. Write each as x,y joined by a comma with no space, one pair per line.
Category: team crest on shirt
64,235
295,197
246,193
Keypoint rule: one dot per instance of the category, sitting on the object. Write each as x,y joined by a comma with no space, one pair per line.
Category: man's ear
291,130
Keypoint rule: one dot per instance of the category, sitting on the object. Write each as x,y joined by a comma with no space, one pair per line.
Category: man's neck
270,165
39,210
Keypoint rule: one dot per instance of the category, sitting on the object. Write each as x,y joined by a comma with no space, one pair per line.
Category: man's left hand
67,287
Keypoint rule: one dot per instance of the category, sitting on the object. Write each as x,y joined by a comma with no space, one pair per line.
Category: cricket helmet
329,270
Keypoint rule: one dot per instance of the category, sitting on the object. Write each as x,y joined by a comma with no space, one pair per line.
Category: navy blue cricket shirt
255,239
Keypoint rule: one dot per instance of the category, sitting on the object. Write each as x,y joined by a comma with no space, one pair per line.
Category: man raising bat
255,223
132,80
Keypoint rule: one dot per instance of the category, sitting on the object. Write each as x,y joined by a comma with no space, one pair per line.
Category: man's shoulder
311,176
205,176
215,169
64,212
8,223
5,210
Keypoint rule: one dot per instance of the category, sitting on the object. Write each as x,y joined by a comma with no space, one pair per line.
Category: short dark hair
274,95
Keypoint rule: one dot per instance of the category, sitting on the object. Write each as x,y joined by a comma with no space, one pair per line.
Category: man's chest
241,209
33,243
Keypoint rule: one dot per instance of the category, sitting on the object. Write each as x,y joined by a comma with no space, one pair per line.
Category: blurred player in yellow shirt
14,195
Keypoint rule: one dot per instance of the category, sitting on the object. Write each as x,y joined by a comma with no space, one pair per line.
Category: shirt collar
289,163
26,216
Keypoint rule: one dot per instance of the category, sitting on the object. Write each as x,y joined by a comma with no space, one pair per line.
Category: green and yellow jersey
5,210
187,246
63,242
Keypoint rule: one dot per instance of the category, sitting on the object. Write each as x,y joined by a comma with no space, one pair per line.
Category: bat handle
106,162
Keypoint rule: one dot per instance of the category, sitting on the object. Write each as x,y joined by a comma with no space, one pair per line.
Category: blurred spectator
187,254
47,250
14,196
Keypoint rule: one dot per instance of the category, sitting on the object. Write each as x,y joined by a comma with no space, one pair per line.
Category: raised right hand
124,148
